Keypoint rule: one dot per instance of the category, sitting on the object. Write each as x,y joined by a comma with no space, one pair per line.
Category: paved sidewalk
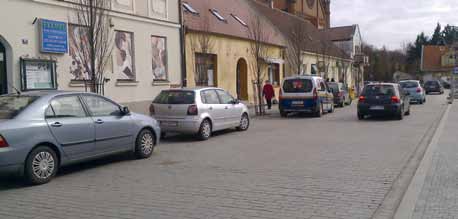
436,181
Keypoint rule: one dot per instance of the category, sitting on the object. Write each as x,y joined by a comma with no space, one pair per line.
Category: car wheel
332,108
408,112
400,115
283,114
163,135
205,130
244,123
319,113
360,116
144,145
41,165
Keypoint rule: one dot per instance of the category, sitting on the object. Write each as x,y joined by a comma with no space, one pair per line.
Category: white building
36,48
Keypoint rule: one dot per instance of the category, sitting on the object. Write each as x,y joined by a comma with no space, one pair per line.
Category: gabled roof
343,33
206,21
285,22
432,58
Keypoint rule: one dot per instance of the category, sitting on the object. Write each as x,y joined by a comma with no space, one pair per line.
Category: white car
199,111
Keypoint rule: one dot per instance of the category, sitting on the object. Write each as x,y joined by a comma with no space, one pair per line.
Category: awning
273,60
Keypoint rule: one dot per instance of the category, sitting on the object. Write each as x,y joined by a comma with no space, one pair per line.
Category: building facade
219,47
317,12
319,56
437,62
38,48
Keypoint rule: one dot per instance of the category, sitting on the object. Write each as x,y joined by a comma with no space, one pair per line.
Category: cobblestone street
299,167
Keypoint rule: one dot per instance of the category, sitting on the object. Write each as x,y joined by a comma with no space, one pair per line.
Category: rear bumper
308,106
187,126
428,90
11,161
416,97
9,170
391,109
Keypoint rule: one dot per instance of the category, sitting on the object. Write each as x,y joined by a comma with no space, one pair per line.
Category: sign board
38,74
54,36
455,70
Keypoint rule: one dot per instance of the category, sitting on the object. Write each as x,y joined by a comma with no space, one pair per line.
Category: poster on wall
124,56
159,58
38,74
78,52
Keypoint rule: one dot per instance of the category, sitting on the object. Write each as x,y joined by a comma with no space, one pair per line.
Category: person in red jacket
268,93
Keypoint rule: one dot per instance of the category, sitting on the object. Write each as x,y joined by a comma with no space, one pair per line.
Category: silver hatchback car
42,131
199,111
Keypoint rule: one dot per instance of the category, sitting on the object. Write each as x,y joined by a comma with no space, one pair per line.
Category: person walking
268,93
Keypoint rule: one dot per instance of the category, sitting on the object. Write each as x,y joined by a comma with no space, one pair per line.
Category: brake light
192,110
315,94
395,99
362,99
152,111
418,90
3,143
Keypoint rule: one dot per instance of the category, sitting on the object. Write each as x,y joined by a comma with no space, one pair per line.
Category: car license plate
297,102
377,107
172,124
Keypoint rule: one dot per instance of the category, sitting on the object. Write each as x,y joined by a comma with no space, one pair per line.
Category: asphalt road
299,167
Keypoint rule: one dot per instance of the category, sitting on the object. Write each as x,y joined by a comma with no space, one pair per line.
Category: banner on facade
54,36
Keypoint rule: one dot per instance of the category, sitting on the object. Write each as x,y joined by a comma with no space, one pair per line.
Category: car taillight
395,99
315,94
152,111
192,110
361,99
418,90
3,143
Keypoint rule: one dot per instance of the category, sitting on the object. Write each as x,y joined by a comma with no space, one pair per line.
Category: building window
239,20
159,58
274,74
206,74
314,69
218,15
158,8
189,8
124,56
123,5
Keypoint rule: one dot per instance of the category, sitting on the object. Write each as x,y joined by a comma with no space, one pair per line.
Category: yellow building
219,47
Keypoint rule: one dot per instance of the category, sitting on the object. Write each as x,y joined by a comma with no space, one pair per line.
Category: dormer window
189,8
239,20
218,15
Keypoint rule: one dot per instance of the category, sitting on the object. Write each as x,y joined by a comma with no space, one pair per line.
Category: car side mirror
125,110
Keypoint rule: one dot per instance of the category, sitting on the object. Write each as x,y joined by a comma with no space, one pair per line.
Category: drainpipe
182,46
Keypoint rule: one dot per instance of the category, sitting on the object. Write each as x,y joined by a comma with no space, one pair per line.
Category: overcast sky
393,22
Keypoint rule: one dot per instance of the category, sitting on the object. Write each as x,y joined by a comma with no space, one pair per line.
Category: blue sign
54,36
455,70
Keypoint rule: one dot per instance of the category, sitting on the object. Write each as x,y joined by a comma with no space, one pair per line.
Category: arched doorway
3,74
242,79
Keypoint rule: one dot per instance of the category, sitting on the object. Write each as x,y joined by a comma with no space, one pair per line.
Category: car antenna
17,91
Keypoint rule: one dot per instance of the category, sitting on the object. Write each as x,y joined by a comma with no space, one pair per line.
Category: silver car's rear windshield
409,84
175,97
297,86
379,90
11,106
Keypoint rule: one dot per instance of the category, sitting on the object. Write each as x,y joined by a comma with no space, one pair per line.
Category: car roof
409,81
303,77
44,93
382,83
192,89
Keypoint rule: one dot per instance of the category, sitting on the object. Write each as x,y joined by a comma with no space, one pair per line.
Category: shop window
206,74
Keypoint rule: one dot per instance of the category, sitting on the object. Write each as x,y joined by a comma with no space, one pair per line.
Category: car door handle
56,124
211,108
99,121
226,107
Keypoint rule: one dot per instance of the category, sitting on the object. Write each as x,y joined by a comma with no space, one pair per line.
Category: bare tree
95,50
201,42
297,36
259,51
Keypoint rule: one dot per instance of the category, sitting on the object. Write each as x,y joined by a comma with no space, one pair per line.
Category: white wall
16,19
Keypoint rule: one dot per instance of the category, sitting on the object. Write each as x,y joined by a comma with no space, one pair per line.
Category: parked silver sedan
42,131
199,111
